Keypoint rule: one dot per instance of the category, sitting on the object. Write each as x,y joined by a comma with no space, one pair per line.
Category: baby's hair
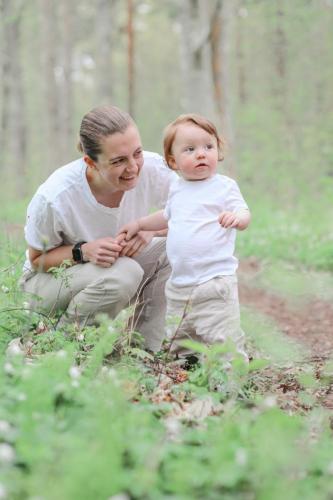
202,122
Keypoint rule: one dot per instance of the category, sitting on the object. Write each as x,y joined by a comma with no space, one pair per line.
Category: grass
73,432
78,422
304,237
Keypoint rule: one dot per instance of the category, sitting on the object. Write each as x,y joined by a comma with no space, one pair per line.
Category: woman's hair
98,123
192,118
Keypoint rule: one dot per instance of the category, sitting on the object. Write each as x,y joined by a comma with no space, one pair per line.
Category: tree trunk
240,57
195,31
280,47
105,22
220,38
49,39
66,105
13,124
6,61
130,57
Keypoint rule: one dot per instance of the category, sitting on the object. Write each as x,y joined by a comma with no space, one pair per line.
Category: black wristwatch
77,253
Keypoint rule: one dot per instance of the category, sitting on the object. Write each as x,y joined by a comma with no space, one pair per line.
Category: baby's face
194,152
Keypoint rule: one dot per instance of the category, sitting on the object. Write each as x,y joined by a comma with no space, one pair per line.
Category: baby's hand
228,220
131,229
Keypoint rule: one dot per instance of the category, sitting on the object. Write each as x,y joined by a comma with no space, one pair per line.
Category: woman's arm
43,261
103,252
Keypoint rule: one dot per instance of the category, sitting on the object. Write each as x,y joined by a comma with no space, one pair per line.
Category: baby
202,213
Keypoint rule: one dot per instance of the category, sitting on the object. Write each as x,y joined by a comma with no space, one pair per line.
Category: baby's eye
209,146
189,149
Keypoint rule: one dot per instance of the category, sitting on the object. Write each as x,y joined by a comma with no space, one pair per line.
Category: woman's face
120,162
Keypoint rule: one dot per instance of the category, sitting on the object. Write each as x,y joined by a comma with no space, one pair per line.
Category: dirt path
310,323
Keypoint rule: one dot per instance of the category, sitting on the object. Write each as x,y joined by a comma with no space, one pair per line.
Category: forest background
76,422
262,70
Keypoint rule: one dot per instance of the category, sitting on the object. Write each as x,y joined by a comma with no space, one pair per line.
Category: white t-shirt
198,248
64,211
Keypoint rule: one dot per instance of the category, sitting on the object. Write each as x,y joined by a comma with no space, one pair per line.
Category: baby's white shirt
198,248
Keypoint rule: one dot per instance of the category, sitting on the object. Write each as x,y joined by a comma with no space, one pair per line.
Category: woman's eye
137,154
117,162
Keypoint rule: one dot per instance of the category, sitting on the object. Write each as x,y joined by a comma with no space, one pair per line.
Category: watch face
77,254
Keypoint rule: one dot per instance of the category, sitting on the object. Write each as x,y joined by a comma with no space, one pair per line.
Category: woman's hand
129,230
103,252
136,244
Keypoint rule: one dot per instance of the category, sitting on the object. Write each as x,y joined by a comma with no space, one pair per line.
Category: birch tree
106,12
49,38
195,56
67,38
13,123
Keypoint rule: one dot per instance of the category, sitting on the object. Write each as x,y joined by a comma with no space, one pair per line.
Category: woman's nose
132,165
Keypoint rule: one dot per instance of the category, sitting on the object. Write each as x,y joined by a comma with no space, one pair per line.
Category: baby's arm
153,222
238,220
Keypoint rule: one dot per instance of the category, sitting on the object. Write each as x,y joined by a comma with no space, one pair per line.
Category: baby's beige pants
207,313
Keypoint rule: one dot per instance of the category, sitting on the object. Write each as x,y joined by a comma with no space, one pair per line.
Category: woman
75,217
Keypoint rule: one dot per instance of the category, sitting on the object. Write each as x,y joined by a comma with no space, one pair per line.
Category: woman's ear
89,161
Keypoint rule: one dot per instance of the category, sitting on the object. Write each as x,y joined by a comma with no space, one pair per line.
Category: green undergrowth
76,423
302,237
80,421
297,283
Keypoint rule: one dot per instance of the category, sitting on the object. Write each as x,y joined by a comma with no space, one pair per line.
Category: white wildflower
74,372
173,428
3,492
241,456
112,373
26,307
269,402
5,289
15,348
21,397
5,427
119,496
7,454
8,368
80,337
61,353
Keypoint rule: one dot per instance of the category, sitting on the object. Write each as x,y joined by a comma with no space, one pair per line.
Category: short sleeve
43,229
164,179
166,211
234,199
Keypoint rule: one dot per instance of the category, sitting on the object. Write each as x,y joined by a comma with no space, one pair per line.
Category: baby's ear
172,163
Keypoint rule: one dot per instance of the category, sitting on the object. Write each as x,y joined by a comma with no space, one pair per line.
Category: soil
310,323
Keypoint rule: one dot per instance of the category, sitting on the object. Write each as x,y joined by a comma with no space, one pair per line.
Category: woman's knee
125,279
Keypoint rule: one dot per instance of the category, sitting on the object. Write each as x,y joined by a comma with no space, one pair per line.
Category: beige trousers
85,290
207,313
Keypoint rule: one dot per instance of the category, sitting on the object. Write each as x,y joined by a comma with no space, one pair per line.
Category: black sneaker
191,362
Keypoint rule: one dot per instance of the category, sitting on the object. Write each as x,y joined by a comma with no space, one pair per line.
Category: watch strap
77,252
